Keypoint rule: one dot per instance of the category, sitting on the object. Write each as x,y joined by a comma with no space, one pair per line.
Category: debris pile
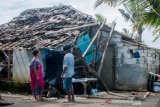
35,22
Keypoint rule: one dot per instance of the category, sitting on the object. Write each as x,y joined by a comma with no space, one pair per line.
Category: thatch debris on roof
37,22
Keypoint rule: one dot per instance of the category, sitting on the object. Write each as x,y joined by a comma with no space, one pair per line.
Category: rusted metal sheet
21,64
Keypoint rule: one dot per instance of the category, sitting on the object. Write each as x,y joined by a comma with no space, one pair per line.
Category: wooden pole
9,64
82,59
96,50
107,43
69,29
94,38
154,74
104,54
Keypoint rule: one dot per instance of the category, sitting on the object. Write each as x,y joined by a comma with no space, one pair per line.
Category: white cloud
12,8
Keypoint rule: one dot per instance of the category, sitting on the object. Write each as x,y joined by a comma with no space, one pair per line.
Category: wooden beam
94,38
83,60
9,66
69,29
104,54
106,47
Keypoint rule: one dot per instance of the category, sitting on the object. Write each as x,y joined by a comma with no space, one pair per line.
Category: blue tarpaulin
82,43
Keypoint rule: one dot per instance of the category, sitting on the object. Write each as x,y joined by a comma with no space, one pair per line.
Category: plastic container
156,87
93,91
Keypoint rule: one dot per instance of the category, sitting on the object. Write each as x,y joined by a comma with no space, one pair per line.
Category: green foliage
126,32
11,86
99,17
148,12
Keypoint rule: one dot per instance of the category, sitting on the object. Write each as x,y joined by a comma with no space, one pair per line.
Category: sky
12,8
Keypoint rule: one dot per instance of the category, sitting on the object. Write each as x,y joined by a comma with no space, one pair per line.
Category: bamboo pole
69,29
9,66
101,64
104,54
83,60
154,74
94,38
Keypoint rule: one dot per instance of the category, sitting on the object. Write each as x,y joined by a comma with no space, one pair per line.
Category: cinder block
117,36
115,40
126,44
119,44
127,55
122,50
118,61
141,60
118,55
129,61
144,54
145,51
133,47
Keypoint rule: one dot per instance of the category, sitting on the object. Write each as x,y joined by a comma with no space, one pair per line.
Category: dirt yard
28,101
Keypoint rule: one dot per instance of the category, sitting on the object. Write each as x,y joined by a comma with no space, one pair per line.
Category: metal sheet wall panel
21,63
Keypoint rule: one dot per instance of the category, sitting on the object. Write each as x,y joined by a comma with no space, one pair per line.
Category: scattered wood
146,95
83,60
116,94
102,97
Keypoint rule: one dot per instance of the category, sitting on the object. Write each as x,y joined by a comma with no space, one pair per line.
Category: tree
149,9
127,32
132,13
99,17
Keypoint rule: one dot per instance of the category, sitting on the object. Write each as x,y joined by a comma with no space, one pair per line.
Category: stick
9,66
146,95
102,60
104,54
154,74
121,95
101,97
94,38
83,60
69,29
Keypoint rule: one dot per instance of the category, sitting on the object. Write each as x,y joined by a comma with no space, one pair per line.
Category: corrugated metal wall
21,63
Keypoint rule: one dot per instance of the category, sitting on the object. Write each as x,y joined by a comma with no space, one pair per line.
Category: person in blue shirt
68,72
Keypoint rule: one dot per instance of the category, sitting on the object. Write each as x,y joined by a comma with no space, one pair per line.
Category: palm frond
141,12
99,17
126,16
109,2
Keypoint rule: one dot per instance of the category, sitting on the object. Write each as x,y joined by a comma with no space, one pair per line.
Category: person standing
36,76
68,72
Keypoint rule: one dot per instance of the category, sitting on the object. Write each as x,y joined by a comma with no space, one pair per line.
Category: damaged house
120,62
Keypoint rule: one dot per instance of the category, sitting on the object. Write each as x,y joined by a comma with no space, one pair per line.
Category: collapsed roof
36,24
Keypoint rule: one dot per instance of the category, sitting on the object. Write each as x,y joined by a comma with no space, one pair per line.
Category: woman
36,77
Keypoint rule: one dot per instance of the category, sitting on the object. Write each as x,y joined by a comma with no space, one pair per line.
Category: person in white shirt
68,72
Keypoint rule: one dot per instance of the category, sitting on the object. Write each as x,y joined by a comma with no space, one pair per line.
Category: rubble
35,22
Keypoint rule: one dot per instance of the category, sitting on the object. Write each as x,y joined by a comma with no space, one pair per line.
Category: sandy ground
28,101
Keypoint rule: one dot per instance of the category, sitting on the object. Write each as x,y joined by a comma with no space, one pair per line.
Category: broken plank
146,95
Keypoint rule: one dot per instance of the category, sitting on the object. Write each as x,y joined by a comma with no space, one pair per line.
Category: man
68,72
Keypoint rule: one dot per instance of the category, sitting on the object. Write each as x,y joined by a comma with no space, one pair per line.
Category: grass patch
14,87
